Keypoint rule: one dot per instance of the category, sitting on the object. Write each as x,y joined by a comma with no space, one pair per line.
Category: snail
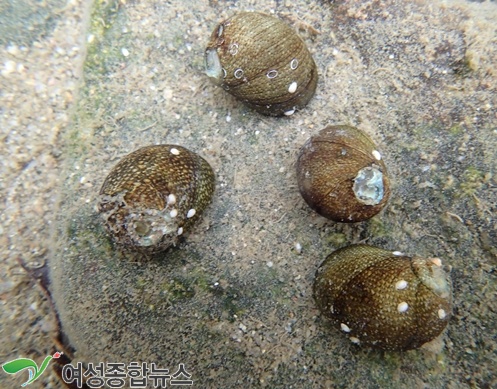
154,195
384,299
341,175
263,62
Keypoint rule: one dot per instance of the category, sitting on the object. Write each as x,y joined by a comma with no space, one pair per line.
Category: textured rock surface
234,302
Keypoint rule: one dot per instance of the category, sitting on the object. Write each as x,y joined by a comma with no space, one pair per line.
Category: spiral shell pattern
342,176
263,62
154,195
384,299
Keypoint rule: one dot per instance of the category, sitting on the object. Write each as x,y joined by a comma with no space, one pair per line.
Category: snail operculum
432,275
368,185
213,67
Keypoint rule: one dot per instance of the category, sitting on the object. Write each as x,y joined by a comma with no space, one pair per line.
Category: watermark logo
15,366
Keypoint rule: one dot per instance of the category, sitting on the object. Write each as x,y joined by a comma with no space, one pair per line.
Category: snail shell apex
382,299
263,62
154,195
342,176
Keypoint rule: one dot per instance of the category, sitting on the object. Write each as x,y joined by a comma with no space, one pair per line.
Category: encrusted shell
154,195
341,174
263,62
384,299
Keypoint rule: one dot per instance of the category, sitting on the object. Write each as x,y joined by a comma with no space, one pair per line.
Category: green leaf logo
15,366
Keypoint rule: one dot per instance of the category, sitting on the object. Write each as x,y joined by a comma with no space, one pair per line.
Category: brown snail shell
263,62
341,175
384,299
154,195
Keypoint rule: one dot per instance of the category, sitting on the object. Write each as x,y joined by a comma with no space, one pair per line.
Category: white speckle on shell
400,285
402,307
376,155
344,327
398,253
180,230
191,213
171,199
354,340
125,51
441,314
173,213
293,87
174,151
290,112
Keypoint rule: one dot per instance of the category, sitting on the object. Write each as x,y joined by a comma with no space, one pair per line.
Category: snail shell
263,62
384,299
154,195
341,175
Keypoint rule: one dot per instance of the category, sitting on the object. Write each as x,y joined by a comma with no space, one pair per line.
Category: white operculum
213,67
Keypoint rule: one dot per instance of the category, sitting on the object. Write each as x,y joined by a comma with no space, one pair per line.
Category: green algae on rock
384,299
154,195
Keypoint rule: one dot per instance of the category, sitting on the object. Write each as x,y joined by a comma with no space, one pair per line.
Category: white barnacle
294,64
292,87
441,314
173,213
238,73
289,112
272,74
174,151
376,155
354,340
402,307
344,327
400,285
171,199
180,230
191,213
233,49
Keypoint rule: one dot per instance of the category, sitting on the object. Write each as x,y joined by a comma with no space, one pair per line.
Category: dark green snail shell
154,195
263,62
384,299
342,176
